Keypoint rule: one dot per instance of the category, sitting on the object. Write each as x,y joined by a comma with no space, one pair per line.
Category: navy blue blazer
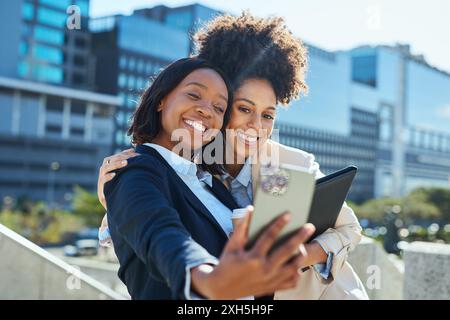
159,227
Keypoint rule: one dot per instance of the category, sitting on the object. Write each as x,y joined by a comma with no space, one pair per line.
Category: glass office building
392,100
45,49
54,133
51,139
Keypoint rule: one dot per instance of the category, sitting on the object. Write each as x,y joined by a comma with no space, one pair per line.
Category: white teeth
196,125
246,137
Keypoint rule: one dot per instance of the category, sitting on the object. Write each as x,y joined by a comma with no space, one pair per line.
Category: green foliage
87,206
420,204
375,209
439,197
44,226
40,225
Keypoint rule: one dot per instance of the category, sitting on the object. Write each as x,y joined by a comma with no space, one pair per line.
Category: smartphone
282,188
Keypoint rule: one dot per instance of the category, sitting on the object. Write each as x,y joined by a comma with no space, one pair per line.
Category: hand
254,272
110,164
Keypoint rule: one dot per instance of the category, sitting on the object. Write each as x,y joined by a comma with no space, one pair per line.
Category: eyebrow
254,104
201,85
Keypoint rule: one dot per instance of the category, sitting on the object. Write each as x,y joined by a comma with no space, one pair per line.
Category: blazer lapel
188,194
221,192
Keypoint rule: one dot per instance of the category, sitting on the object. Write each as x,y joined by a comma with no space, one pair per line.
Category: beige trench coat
343,283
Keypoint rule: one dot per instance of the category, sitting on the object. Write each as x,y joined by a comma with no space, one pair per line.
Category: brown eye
268,116
244,109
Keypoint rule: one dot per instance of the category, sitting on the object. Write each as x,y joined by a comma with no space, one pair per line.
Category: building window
119,137
23,48
28,11
78,132
364,70
53,129
78,107
123,62
101,112
23,68
49,35
79,61
48,54
48,73
80,43
78,79
51,17
140,66
149,68
121,119
60,4
131,81
122,80
132,64
54,104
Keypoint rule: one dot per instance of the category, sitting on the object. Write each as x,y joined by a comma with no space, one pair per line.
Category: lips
196,125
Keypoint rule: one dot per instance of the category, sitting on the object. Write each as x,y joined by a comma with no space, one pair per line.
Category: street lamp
54,166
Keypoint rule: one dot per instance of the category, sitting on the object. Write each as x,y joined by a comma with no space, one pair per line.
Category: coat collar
188,194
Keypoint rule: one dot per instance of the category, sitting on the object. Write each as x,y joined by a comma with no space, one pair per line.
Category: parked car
86,247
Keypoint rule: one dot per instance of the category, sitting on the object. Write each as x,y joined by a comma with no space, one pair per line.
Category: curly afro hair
247,47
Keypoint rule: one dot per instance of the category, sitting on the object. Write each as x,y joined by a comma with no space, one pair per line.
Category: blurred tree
416,206
86,205
375,209
41,225
439,197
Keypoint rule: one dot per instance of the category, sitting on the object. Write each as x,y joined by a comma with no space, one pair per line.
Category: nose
255,122
204,111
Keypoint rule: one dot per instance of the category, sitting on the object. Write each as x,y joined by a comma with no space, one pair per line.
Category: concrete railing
29,272
427,271
381,273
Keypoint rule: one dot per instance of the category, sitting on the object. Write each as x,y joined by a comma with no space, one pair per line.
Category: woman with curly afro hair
266,65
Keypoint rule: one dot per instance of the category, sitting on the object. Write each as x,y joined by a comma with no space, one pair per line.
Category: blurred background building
54,130
66,96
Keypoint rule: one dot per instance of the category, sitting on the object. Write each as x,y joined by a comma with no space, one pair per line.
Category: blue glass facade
28,11
180,19
145,36
428,98
49,35
51,17
58,4
364,70
47,73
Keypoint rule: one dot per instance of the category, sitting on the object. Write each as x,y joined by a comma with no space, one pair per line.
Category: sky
337,25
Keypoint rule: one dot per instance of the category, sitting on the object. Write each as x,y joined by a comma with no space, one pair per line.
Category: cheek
268,128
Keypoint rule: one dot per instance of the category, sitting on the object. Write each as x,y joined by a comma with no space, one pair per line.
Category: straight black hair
146,121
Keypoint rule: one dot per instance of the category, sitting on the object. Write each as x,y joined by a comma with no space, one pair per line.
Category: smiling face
252,117
194,110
